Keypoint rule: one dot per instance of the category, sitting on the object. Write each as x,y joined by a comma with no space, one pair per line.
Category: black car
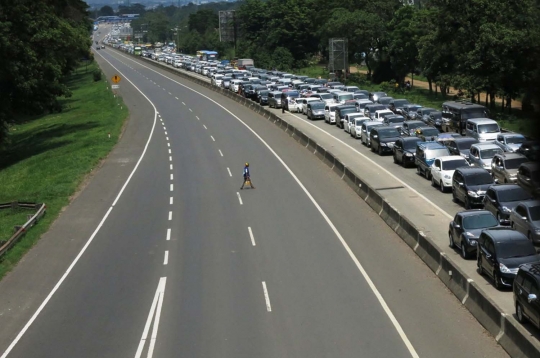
465,229
469,185
410,126
422,114
501,199
500,253
396,105
427,133
263,97
530,149
435,119
394,120
383,138
461,146
341,111
404,151
315,110
527,293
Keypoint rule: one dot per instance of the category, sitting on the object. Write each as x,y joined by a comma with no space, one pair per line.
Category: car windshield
358,122
414,125
226,79
400,102
434,153
514,163
430,132
479,179
454,163
344,97
489,153
465,144
326,96
388,132
317,105
521,248
479,221
436,115
264,93
488,128
515,139
384,100
410,144
292,94
513,194
346,111
395,120
359,96
473,113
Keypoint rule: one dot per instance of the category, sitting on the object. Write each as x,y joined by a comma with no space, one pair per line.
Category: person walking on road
247,177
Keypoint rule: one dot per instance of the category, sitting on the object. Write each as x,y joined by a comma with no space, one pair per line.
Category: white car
217,80
379,115
348,121
330,113
356,129
366,129
443,169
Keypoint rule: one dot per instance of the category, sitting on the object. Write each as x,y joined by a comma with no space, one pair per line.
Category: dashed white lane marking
212,138
170,93
170,158
239,198
166,133
204,126
266,297
168,144
220,152
183,103
164,89
251,236
170,215
176,97
171,167
168,234
161,119
172,176
230,174
197,118
164,128
172,187
169,151
157,303
166,258
167,138
171,200
190,110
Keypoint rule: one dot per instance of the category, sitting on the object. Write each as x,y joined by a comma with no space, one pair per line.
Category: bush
97,75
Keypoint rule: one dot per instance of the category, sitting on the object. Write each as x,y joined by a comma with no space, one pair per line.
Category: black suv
469,185
466,227
500,253
461,146
527,293
341,111
382,139
404,151
501,199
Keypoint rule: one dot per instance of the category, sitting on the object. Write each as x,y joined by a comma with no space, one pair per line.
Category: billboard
227,26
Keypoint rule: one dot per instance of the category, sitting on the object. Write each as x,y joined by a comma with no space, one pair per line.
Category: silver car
504,167
356,129
481,154
525,218
509,142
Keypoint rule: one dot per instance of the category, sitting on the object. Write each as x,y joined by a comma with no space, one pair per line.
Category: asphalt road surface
188,265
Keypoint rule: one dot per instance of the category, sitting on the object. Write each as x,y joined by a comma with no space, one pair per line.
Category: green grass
50,156
11,217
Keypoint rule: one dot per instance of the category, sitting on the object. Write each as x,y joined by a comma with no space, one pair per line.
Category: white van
483,129
329,113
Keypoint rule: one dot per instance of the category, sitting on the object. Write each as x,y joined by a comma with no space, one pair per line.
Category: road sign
115,86
116,78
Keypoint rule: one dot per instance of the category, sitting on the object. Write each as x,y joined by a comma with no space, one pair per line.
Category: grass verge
49,156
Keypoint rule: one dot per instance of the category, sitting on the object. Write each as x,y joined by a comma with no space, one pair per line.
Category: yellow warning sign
116,78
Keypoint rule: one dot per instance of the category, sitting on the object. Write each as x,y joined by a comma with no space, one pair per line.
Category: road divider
509,333
20,231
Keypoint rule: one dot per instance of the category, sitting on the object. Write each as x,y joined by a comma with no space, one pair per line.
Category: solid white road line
230,174
239,198
212,138
166,258
168,234
156,306
220,152
170,215
89,241
251,236
172,187
171,200
204,126
266,297
351,254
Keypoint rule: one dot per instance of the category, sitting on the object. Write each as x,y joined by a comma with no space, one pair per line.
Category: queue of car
457,148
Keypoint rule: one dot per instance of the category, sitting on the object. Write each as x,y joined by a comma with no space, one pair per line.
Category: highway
187,264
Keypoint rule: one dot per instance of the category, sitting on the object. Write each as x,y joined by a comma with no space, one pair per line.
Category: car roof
450,157
409,122
486,145
507,155
503,187
411,139
512,135
533,268
530,203
502,234
481,120
466,139
431,145
473,212
471,170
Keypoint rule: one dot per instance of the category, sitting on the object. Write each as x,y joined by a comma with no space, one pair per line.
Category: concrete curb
509,333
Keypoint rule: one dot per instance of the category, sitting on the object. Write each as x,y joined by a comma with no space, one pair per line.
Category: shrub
97,75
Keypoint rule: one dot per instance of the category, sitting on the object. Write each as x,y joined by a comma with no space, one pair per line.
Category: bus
205,55
137,51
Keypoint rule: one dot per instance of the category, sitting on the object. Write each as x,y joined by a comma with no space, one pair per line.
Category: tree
106,11
203,20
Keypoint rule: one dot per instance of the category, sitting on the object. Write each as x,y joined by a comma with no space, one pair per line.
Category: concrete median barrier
509,333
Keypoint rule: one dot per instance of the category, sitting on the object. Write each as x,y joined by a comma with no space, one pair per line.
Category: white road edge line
239,198
353,257
89,241
266,297
166,258
230,174
168,234
154,309
251,236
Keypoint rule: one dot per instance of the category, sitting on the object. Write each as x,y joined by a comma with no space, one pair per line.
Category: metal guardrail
21,231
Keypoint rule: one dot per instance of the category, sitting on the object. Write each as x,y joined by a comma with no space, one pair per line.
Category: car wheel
519,314
464,253
497,281
467,203
451,240
454,197
441,185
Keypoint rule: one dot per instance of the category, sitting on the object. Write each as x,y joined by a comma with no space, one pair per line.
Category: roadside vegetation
49,156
